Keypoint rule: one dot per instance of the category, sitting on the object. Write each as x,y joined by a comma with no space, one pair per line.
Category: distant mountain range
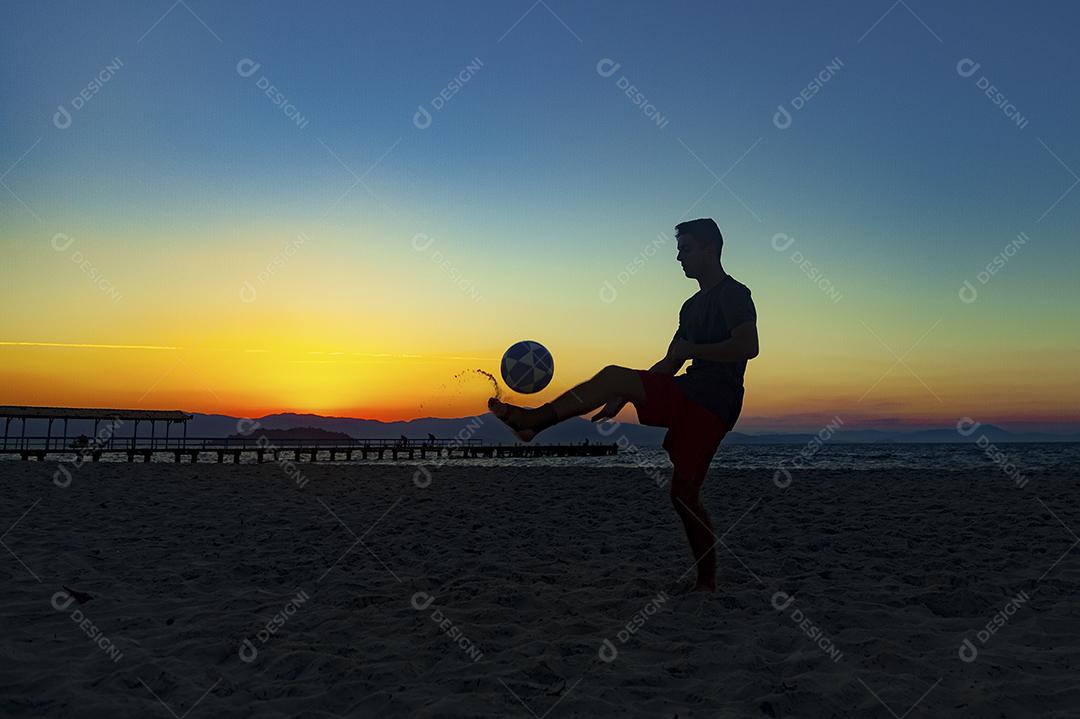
487,427
323,435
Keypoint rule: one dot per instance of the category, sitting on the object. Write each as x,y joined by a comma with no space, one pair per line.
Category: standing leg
686,497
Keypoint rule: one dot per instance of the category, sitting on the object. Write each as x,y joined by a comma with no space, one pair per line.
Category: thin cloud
74,345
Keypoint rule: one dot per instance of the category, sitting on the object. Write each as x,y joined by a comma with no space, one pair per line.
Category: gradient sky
161,226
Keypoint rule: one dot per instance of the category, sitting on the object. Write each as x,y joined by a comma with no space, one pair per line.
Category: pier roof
170,415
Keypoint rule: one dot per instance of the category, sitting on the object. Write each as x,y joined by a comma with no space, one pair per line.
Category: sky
248,208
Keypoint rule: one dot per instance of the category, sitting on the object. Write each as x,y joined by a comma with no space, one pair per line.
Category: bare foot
511,416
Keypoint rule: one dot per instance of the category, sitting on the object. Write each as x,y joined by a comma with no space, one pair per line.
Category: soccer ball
527,367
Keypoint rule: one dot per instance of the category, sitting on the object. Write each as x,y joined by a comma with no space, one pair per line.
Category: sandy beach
233,591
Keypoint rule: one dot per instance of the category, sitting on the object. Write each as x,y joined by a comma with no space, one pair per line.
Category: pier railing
261,448
56,444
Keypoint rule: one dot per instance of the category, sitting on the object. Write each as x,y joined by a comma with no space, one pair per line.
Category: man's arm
743,345
670,364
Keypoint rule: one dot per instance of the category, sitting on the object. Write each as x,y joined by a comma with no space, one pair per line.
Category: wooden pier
105,442
210,449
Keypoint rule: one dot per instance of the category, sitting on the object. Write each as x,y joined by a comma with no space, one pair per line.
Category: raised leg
609,383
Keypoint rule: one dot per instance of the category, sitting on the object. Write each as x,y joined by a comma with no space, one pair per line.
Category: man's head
700,244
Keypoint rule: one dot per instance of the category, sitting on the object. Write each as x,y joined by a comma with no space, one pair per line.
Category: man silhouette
718,332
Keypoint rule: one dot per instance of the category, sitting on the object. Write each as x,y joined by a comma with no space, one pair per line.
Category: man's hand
609,410
680,350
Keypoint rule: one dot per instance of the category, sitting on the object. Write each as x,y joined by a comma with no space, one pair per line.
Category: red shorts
694,432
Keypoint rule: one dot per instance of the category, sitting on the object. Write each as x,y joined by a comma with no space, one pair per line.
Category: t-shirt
706,318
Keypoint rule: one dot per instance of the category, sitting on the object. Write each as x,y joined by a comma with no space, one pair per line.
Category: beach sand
230,591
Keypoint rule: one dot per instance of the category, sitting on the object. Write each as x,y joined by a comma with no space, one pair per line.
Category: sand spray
491,377
469,374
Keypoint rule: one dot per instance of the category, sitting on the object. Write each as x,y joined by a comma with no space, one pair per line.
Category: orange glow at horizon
253,382
357,323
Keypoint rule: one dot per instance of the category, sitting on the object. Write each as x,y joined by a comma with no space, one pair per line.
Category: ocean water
1016,457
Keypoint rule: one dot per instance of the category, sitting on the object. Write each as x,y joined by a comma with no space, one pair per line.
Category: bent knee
613,371
623,380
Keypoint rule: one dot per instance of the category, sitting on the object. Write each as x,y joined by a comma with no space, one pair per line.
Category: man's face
693,255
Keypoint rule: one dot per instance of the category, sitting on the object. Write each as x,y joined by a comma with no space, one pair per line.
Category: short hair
703,229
